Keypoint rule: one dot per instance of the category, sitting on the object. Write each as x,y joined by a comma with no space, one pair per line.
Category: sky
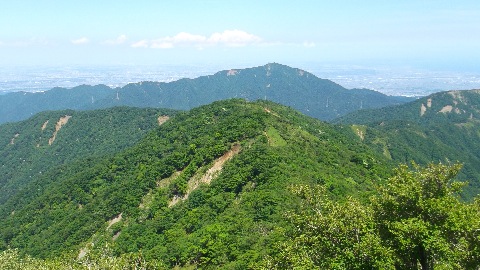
432,34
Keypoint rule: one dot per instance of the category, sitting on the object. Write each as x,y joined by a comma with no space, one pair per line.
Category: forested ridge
243,185
443,127
319,98
34,146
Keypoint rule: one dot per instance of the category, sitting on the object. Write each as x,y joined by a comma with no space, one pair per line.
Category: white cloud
233,38
309,44
181,39
187,38
80,41
140,44
229,38
161,45
119,40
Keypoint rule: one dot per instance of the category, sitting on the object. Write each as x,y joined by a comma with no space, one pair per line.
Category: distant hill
442,127
31,147
449,107
319,98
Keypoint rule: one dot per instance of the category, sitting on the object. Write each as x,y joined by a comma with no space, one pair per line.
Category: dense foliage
419,217
301,90
101,258
241,185
29,148
229,223
415,221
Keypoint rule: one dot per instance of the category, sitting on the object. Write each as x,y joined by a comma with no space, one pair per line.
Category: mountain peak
319,98
270,67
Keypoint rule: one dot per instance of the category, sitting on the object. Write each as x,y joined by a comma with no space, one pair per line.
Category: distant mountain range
319,98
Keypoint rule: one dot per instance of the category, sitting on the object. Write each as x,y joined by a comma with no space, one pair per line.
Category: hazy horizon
433,35
333,39
403,81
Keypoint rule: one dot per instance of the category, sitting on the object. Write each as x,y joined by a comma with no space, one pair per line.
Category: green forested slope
22,105
242,185
319,98
34,146
447,107
442,127
233,221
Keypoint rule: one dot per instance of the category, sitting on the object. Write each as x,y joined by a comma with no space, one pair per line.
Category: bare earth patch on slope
114,220
446,109
162,119
209,175
61,122
267,110
44,126
360,131
162,183
457,96
423,109
232,72
12,141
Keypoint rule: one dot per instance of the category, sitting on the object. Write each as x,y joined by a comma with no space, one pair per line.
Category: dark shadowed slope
31,147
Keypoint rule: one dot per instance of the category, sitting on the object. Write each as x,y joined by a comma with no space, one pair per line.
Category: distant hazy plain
390,81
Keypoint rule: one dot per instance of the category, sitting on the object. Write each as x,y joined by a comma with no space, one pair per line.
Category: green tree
416,221
420,217
329,235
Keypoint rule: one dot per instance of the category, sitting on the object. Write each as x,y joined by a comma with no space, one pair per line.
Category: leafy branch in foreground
330,235
98,258
415,221
420,216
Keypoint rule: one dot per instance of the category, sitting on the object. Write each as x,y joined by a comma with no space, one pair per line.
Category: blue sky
422,33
